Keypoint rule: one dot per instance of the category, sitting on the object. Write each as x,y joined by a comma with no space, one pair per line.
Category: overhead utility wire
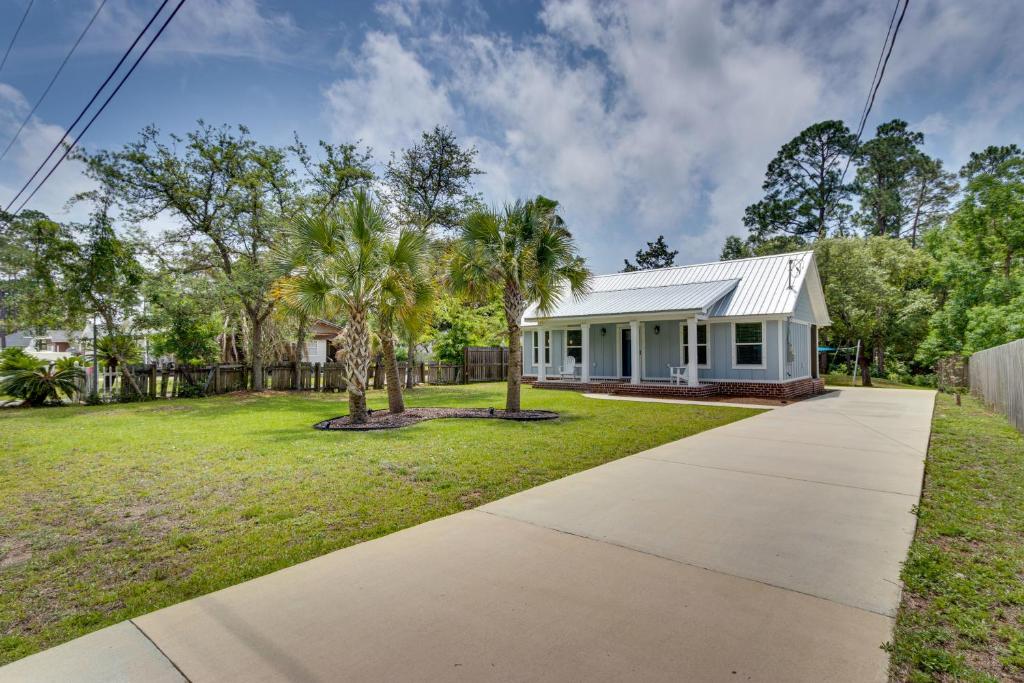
56,74
74,142
876,82
15,36
85,109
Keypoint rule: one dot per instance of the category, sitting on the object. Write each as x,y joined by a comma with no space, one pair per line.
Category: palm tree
525,255
351,262
405,297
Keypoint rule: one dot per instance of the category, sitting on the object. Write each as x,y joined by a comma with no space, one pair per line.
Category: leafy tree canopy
804,193
656,255
431,182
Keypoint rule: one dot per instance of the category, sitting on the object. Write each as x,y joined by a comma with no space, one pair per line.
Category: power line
876,82
52,80
881,73
67,131
878,65
74,142
15,36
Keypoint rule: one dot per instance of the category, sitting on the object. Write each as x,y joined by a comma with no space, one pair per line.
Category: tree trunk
357,363
255,357
300,341
378,372
880,359
410,376
515,368
865,370
396,404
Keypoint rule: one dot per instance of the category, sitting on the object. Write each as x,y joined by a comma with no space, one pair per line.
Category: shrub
40,384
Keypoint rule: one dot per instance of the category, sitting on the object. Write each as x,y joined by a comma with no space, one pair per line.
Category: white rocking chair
678,374
568,368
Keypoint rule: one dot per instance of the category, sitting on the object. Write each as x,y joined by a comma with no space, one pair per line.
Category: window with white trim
702,345
574,345
547,347
748,349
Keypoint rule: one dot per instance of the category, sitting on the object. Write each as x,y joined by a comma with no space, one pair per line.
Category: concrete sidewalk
768,549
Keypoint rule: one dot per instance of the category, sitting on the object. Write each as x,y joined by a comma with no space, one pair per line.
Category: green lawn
962,615
112,511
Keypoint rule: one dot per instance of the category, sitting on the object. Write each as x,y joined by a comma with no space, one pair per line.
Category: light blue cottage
748,326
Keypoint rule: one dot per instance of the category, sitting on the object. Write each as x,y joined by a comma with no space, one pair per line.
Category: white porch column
539,342
691,351
634,351
782,324
585,370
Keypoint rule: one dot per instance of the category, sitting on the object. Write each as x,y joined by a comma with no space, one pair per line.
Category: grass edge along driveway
113,511
962,611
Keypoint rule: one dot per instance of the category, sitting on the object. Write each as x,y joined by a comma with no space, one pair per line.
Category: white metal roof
696,296
765,285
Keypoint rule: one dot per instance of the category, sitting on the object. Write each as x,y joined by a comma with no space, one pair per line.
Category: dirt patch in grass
383,419
15,554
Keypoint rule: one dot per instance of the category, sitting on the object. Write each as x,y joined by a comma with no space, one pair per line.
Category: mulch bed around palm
383,419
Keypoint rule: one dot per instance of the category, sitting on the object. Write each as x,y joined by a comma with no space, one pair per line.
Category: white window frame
565,335
764,346
707,343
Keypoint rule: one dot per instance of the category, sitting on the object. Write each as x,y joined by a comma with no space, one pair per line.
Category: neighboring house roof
761,286
25,338
21,339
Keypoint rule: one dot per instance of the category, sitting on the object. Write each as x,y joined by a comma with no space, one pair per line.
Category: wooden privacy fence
997,378
485,363
169,381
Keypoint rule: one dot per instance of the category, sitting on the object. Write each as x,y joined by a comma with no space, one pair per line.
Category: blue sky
641,118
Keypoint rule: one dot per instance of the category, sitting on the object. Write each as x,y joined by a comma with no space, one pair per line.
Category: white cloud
31,147
389,99
219,28
660,117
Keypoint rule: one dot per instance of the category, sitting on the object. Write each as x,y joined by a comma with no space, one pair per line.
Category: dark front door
627,354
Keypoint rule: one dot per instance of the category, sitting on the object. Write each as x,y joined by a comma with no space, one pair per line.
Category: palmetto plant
524,255
40,383
352,263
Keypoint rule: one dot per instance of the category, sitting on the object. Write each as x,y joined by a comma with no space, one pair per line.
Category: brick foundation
775,390
625,389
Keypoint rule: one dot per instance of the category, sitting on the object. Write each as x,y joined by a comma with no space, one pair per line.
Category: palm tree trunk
396,404
515,368
357,363
410,363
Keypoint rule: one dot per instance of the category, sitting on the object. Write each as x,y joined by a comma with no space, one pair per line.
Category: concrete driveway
766,550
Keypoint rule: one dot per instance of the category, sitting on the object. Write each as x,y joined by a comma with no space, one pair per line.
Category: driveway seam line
804,443
162,653
893,439
774,476
768,438
679,562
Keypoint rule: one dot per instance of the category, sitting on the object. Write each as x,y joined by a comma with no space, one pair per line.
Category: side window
748,346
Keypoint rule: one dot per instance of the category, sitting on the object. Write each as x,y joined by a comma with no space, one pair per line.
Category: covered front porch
661,353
